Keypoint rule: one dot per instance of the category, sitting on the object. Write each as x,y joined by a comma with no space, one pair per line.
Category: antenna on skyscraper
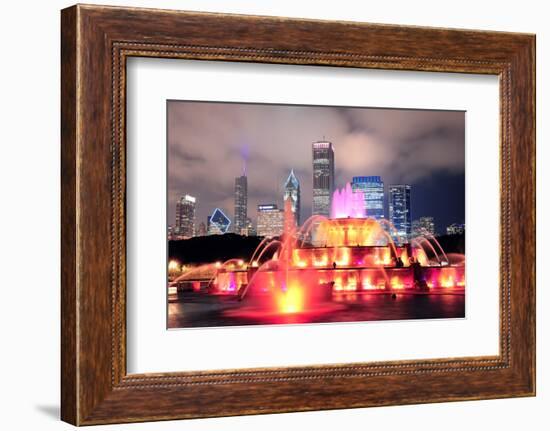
244,155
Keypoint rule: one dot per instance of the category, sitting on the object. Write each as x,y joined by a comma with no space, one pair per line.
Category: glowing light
405,257
173,266
291,301
386,259
196,286
396,283
323,261
240,262
255,264
352,283
367,285
344,258
346,203
383,257
447,282
421,257
218,265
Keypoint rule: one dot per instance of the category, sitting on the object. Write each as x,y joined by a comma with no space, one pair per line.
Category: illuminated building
400,210
270,220
185,217
423,225
455,229
218,223
241,203
202,229
323,177
249,229
292,194
372,188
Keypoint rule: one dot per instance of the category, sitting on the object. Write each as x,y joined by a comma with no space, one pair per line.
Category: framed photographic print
311,252
331,214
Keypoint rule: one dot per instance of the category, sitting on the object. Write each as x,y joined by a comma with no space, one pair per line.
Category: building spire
292,180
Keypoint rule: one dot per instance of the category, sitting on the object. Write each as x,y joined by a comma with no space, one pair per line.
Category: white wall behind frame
29,173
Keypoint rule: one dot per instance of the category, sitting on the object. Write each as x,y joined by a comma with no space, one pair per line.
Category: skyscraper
201,231
455,229
372,188
241,203
423,225
270,221
292,194
185,216
323,177
400,209
250,229
218,223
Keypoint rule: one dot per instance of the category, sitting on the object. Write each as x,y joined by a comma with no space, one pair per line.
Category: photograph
297,214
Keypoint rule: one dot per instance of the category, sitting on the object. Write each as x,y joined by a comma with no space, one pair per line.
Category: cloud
206,142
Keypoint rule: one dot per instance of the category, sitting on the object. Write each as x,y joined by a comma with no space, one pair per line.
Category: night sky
209,144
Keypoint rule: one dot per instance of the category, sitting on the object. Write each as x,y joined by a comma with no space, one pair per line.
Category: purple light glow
347,203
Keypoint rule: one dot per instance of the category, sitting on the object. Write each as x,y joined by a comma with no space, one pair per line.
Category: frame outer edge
69,411
532,101
87,397
523,228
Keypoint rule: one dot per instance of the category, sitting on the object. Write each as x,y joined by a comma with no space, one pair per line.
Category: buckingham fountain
345,253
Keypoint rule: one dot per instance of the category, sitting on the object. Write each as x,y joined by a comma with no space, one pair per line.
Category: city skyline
372,187
192,170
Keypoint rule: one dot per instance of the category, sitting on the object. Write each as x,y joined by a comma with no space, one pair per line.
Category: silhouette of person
399,263
418,274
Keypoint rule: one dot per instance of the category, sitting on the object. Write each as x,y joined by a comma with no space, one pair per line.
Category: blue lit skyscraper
400,209
372,188
218,223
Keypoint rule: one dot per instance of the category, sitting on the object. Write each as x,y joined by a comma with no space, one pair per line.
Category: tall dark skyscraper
323,177
292,193
185,216
372,188
241,203
400,209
